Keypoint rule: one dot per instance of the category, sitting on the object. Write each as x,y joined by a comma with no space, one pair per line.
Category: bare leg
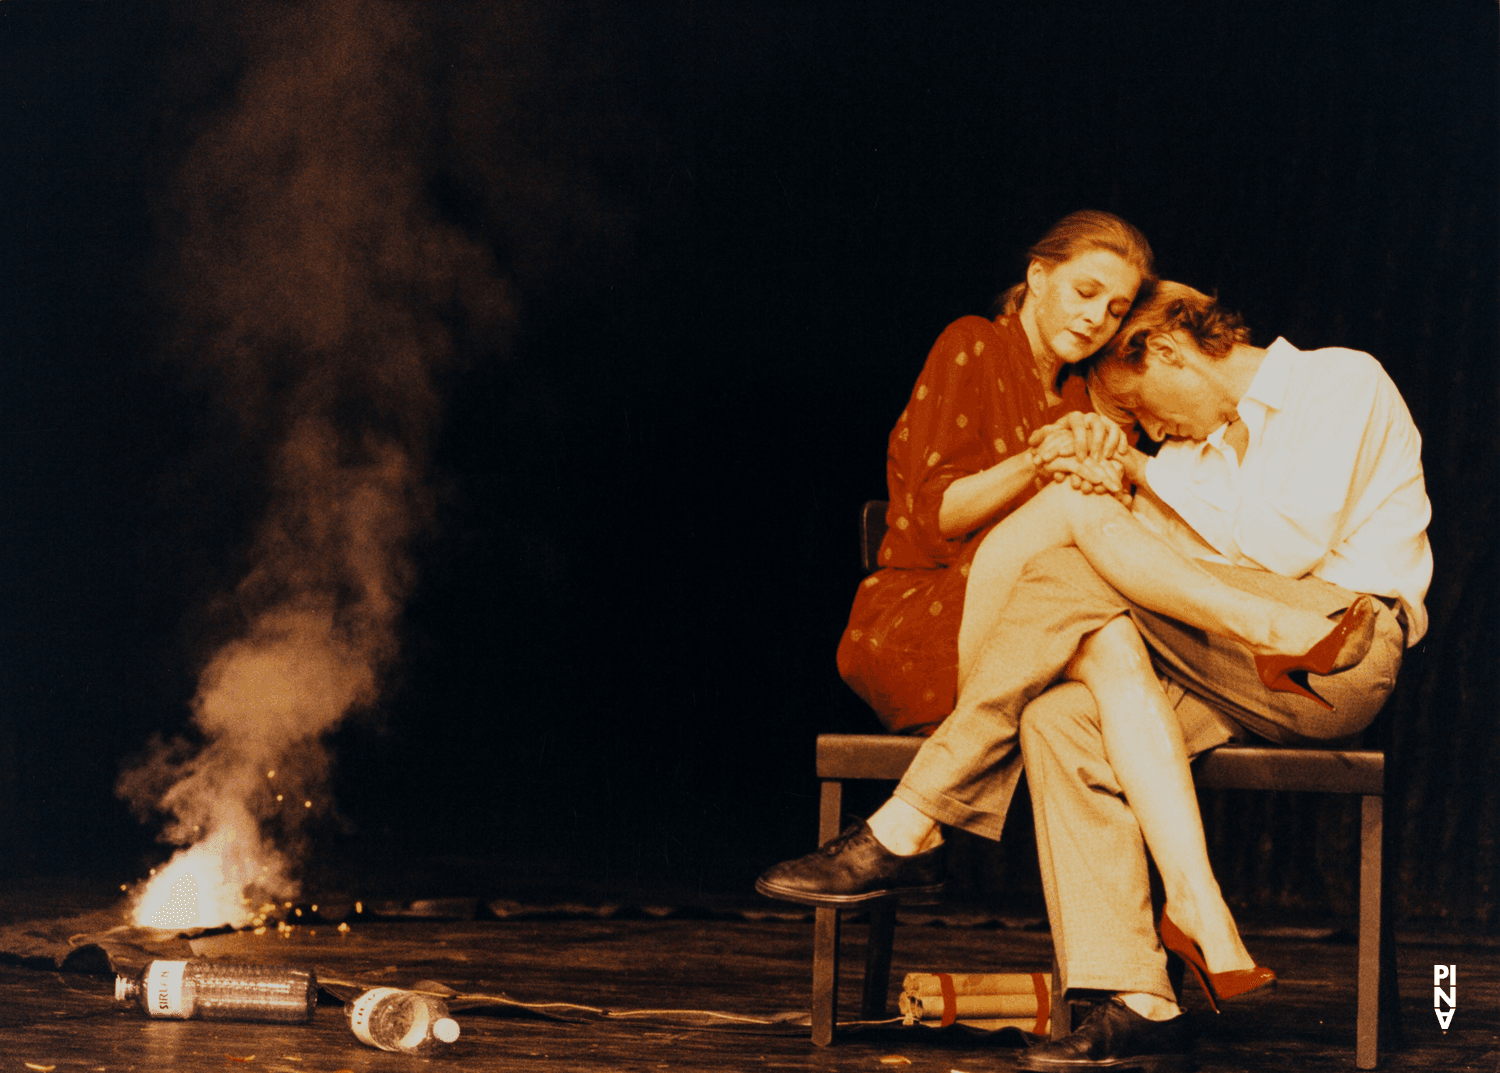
1140,565
1132,558
1143,744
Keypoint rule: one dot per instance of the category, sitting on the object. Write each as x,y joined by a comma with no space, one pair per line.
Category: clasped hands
1086,450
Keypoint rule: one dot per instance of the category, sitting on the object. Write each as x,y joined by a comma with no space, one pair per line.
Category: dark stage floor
745,959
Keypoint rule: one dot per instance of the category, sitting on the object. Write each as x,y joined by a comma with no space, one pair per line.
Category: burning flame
262,703
202,886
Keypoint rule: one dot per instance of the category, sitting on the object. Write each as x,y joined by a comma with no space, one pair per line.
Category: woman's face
1078,304
1170,394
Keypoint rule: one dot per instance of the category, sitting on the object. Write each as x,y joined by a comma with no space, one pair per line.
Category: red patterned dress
977,401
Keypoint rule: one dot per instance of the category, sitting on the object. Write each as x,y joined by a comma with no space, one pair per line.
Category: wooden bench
842,757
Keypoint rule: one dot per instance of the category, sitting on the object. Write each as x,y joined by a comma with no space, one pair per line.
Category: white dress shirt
1330,483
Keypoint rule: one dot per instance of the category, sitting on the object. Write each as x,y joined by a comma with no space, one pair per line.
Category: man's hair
1170,307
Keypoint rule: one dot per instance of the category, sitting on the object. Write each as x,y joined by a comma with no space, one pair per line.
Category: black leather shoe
856,868
1116,1038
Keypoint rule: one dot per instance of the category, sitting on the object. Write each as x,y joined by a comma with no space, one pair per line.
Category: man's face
1169,394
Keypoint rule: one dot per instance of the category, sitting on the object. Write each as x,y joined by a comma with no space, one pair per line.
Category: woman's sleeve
936,441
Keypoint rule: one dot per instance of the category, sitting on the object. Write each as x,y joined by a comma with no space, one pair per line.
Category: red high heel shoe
1357,621
1216,985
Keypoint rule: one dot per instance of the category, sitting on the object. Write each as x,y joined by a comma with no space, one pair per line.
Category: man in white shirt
1297,474
1335,492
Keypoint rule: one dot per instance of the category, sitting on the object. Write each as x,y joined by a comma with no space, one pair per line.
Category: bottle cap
445,1029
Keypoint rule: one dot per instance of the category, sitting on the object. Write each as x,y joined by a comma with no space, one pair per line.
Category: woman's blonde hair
1079,232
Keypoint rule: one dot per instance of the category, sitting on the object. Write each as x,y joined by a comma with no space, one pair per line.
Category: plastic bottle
222,991
397,1020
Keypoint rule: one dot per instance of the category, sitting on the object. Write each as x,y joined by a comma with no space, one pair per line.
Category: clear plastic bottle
222,991
397,1020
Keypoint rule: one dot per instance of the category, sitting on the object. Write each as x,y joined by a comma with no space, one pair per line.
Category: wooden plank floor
758,968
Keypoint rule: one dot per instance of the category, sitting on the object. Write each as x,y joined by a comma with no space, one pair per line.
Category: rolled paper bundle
986,1000
974,983
935,1007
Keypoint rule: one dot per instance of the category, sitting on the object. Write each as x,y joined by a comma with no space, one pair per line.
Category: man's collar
1269,386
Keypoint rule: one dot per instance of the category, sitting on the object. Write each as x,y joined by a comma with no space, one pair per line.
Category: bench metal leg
1378,1023
825,975
878,958
825,994
830,810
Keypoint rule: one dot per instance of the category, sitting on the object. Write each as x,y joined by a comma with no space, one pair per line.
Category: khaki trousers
1092,855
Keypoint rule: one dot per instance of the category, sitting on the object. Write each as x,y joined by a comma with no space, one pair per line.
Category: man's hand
1084,449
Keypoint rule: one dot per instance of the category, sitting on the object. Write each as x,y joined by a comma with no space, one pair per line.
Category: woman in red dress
993,417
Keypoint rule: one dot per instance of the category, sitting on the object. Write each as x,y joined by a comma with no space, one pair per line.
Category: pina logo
1441,998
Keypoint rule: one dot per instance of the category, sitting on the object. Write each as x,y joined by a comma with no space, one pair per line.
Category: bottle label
360,1011
164,989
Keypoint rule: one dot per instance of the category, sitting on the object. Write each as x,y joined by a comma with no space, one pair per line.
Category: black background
733,230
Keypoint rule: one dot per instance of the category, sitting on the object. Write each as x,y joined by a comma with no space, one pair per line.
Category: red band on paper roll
1043,1003
950,999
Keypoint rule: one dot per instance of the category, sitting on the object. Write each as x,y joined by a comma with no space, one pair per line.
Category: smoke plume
317,298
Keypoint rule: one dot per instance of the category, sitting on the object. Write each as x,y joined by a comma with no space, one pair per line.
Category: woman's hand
1084,449
1090,477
